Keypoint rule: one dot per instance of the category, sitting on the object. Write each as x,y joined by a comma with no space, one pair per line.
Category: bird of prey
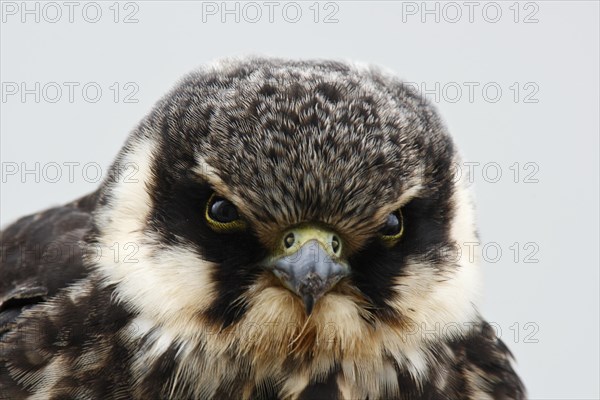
272,229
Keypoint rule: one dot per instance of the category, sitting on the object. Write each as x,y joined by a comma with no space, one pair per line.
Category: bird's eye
392,229
222,216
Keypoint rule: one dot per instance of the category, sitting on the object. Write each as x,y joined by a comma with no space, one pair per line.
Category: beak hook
309,303
309,264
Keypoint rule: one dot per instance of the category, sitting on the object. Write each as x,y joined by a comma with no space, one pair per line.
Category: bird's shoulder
40,254
482,367
68,344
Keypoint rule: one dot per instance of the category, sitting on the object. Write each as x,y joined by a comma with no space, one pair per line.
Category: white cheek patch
169,285
443,308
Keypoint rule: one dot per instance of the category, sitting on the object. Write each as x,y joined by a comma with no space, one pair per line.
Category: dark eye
222,215
222,210
393,227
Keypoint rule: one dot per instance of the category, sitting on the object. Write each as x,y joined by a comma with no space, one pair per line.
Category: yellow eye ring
393,228
222,216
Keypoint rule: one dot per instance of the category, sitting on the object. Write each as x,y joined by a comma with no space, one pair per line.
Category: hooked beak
308,262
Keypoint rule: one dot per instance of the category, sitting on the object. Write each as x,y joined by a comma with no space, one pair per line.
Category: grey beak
310,272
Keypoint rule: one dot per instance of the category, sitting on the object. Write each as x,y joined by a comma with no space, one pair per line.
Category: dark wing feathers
483,365
40,254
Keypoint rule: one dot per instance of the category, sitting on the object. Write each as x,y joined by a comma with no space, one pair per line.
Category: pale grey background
559,133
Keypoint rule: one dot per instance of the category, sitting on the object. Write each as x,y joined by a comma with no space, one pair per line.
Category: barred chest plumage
86,346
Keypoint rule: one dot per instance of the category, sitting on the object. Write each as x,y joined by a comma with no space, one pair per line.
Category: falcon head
290,211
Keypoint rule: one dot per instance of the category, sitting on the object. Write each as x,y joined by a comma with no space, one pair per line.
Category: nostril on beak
289,240
309,264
